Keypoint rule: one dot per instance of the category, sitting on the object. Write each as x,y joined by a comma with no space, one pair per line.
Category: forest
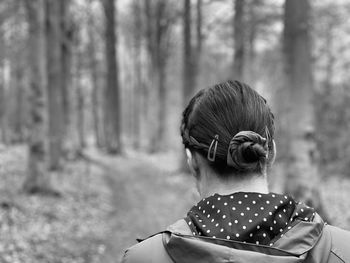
91,99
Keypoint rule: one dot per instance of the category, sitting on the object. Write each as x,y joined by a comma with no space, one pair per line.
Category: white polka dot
233,208
264,234
251,234
289,227
245,196
248,208
200,220
290,202
200,208
217,224
265,219
242,214
208,231
270,213
284,210
228,237
271,228
250,220
285,197
203,211
306,218
267,201
273,195
213,206
281,235
271,244
279,215
281,202
190,223
302,210
207,202
240,202
212,220
276,206
257,242
208,215
224,216
221,230
237,235
257,227
281,230
218,211
204,226
225,203
193,233
231,196
262,208
236,221
254,202
219,198
214,236
296,214
259,196
229,223
274,221
244,227
256,214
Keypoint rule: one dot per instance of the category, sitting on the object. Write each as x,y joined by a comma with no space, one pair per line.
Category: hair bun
246,151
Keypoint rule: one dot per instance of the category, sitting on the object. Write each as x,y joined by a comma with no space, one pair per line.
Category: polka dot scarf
247,217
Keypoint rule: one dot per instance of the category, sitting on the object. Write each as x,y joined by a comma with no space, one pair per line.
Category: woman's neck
211,185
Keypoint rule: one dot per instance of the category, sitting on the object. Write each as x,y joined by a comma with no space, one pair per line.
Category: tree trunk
188,69
37,173
54,67
138,74
95,95
302,173
239,39
112,92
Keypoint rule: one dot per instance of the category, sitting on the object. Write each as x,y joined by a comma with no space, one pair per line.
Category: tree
54,83
112,94
37,177
160,16
298,129
239,40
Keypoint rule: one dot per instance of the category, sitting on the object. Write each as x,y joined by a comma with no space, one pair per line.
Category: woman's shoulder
152,248
340,246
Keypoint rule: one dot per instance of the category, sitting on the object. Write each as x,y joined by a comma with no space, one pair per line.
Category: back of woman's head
231,125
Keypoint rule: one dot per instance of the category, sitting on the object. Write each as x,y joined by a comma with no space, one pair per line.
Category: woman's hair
231,125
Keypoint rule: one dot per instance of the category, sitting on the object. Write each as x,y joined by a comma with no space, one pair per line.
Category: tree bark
239,39
112,92
302,171
37,173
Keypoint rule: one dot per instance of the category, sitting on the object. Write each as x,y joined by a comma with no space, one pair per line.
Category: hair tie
233,157
214,143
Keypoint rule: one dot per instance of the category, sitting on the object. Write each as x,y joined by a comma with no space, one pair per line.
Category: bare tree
239,39
112,92
54,75
298,130
37,178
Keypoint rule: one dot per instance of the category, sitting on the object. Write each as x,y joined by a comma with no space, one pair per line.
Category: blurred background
91,97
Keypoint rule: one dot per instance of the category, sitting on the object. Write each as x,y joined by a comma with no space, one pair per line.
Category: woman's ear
192,162
272,154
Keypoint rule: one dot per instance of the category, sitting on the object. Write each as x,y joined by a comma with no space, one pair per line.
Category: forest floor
106,203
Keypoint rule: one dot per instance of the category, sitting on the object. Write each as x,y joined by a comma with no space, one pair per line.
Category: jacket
310,242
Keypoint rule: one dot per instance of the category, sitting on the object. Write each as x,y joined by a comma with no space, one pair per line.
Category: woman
228,132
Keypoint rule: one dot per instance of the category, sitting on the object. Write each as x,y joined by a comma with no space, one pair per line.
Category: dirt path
146,200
